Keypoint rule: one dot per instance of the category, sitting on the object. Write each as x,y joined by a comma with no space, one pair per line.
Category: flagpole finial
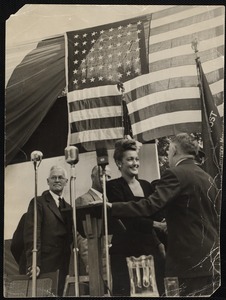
120,87
194,44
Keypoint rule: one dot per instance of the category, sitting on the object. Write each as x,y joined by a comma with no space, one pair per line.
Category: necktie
62,207
61,203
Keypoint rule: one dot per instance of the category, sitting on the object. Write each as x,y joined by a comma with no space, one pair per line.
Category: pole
75,248
212,165
194,46
106,229
36,156
34,251
72,158
126,124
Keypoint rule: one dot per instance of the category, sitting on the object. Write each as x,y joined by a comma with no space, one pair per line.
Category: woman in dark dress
140,237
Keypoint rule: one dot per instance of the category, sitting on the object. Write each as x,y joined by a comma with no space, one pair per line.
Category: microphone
36,156
71,155
102,154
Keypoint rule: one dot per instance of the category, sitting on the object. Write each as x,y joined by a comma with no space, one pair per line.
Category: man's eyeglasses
55,178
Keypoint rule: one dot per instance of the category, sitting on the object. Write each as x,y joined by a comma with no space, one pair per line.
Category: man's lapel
53,207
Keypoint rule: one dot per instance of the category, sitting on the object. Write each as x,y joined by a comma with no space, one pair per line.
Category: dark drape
31,91
50,137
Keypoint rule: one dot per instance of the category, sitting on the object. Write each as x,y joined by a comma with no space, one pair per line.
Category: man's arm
167,189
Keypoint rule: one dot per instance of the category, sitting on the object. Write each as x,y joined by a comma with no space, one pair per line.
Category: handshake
109,205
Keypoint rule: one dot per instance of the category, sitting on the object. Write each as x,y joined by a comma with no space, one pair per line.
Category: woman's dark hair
123,145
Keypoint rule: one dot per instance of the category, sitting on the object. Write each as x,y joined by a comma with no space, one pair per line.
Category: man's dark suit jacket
83,200
191,204
87,198
54,235
17,244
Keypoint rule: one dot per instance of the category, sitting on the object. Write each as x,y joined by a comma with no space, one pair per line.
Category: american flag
166,101
152,57
98,60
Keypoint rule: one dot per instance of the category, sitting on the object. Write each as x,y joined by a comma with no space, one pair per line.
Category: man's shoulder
180,171
184,166
85,195
44,195
84,199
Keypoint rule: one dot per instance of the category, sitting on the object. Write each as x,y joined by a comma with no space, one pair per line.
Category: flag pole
214,164
125,118
194,46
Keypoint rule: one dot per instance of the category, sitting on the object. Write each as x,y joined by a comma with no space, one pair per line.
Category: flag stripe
102,91
96,135
163,96
207,34
167,119
183,14
96,123
175,106
221,109
162,25
146,99
186,60
183,31
217,87
168,12
95,113
219,99
175,72
94,103
168,130
206,46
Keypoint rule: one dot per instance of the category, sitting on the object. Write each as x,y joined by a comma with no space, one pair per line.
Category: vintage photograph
114,142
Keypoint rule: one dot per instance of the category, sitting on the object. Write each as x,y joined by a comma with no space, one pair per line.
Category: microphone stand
75,248
71,156
35,250
106,227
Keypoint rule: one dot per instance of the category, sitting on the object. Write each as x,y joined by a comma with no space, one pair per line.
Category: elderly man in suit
94,194
54,229
191,202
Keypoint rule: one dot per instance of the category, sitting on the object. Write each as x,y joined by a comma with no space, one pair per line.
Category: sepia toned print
83,82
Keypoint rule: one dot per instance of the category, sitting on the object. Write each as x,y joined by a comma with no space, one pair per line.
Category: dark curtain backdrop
31,91
50,137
